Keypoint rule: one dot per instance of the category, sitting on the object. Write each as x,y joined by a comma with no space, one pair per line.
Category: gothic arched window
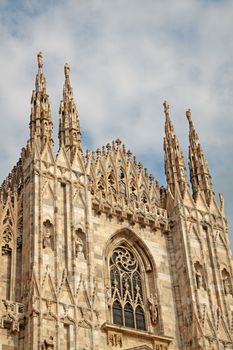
126,289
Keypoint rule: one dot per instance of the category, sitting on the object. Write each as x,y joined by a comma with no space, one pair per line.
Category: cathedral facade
96,255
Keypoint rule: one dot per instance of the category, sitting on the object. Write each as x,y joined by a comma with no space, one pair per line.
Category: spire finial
40,59
189,115
166,108
67,70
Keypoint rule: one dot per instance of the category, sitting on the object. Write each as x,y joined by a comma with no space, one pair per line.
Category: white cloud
126,57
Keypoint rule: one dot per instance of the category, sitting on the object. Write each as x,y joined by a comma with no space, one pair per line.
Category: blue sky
126,58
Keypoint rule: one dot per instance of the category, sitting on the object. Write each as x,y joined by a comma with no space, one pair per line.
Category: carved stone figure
199,279
47,235
222,205
153,308
199,275
226,282
40,59
79,250
48,343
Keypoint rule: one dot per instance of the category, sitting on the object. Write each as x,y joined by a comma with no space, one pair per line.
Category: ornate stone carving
114,339
6,242
160,347
13,316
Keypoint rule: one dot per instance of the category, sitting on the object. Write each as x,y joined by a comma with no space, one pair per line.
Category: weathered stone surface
95,255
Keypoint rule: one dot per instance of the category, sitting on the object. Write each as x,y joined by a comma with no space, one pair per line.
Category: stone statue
166,108
40,60
222,204
79,251
153,308
188,115
199,275
226,282
67,70
47,235
199,279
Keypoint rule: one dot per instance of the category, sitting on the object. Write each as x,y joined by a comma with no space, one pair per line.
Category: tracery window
126,289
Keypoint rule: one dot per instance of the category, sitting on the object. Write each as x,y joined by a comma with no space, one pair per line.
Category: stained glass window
126,289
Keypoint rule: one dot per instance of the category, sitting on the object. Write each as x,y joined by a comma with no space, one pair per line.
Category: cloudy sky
126,57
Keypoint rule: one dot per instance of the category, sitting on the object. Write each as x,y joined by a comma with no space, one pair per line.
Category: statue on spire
166,108
67,70
189,115
40,59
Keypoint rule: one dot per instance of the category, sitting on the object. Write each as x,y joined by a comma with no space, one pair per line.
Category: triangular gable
62,159
188,198
37,154
197,329
82,296
47,191
196,234
201,201
34,289
78,199
223,331
221,239
78,162
177,196
47,154
48,289
65,293
170,199
214,207
209,328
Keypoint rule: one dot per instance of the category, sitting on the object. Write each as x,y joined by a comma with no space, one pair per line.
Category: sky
126,58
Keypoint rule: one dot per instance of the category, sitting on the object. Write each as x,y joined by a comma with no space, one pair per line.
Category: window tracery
126,289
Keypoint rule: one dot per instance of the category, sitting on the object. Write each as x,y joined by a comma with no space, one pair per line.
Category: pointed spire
40,120
174,161
199,172
69,126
